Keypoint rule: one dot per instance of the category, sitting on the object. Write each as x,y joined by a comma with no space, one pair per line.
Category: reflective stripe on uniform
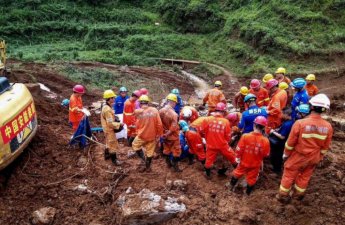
284,189
288,147
299,189
72,109
317,136
128,114
324,151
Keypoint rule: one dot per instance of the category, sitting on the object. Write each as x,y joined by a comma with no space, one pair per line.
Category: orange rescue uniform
195,114
239,102
251,150
262,97
149,129
217,134
129,117
171,143
312,90
274,109
213,97
75,116
309,140
195,144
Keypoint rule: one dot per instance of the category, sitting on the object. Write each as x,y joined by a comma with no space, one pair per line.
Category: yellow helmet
267,78
218,83
311,77
244,90
281,70
108,94
172,97
144,98
283,86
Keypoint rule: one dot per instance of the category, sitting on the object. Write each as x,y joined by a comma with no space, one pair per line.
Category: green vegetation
246,36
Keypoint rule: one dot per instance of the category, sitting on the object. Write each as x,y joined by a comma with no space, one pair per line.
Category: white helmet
320,100
187,113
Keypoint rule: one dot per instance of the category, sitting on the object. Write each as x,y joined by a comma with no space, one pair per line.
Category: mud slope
48,172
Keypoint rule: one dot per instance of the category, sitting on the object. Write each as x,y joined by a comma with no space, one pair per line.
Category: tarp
83,131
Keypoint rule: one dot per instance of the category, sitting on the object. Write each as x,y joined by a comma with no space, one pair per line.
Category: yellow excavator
18,119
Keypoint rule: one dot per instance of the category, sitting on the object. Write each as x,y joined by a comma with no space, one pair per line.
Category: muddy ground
47,173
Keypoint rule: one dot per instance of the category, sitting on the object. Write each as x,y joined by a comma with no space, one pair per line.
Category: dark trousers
276,157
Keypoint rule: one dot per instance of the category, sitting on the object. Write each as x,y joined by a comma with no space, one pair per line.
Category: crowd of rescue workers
274,118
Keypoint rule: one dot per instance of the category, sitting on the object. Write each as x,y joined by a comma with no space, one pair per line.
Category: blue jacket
248,117
119,104
179,105
184,147
301,97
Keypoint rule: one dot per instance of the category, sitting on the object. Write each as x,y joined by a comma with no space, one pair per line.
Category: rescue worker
217,134
76,113
213,97
283,86
309,141
267,78
250,152
277,103
277,140
120,100
248,116
129,117
179,104
194,141
234,119
300,97
303,111
281,76
171,142
109,126
239,99
189,114
149,129
311,87
262,97
142,91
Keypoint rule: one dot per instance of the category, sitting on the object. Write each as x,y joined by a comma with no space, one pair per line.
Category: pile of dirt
83,187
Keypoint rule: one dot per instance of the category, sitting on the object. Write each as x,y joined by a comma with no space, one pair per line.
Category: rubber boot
233,183
168,161
140,153
221,172
106,154
208,173
249,189
115,161
148,164
283,198
203,162
175,164
190,159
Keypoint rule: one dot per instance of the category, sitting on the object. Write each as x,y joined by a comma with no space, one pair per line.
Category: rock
247,216
82,161
34,88
180,185
81,188
169,184
43,216
147,207
339,175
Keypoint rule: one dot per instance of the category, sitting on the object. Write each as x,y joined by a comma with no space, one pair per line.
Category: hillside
249,37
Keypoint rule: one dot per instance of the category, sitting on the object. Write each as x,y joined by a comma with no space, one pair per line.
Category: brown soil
48,171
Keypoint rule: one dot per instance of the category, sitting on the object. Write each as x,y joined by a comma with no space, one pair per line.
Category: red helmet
136,93
79,89
220,106
255,83
232,117
144,91
261,121
271,83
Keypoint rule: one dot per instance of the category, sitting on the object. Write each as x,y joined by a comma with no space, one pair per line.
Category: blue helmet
249,97
303,108
65,102
123,89
298,83
184,125
175,91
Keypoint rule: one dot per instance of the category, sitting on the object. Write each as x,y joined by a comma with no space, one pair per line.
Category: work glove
86,112
238,160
